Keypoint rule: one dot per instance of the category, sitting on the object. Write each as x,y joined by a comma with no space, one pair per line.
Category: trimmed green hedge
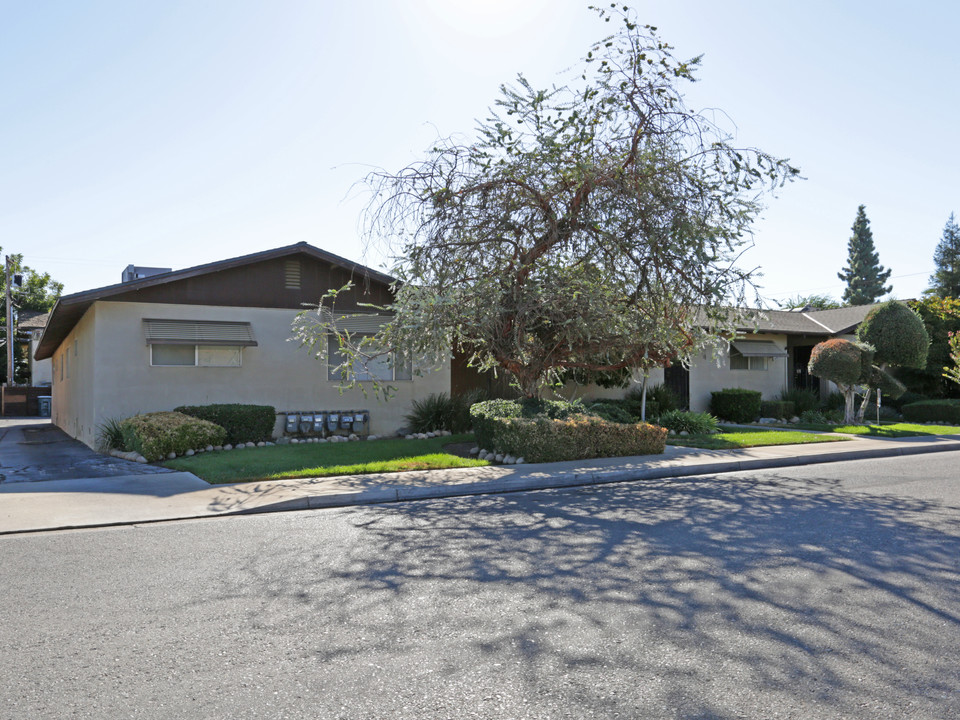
243,423
946,411
156,435
576,438
736,404
517,428
780,409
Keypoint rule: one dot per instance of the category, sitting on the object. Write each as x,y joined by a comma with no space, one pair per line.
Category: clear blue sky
180,132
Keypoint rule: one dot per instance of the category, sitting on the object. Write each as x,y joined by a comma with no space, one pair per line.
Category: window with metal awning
758,348
753,354
197,343
198,332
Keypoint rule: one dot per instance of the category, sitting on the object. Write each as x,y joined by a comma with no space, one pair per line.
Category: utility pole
10,333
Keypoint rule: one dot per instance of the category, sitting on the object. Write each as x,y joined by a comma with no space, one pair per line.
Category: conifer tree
945,281
864,275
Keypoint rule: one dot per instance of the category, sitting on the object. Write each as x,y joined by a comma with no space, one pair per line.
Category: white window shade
758,348
198,332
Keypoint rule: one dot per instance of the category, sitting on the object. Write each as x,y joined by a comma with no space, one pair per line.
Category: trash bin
43,403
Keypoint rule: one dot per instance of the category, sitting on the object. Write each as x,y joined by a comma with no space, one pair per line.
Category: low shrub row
736,404
551,431
945,411
156,435
780,409
243,423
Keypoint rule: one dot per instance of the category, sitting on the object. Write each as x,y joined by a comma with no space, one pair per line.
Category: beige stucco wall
276,372
41,371
709,373
72,393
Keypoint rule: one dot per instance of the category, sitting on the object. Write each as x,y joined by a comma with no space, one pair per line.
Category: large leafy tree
592,227
37,292
945,281
941,318
863,274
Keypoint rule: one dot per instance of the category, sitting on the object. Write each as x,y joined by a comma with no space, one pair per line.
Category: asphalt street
829,591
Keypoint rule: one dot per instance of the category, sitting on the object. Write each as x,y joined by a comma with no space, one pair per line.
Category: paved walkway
138,498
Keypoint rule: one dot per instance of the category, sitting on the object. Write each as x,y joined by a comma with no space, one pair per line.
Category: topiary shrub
945,411
695,423
156,435
837,360
780,409
897,333
736,404
243,423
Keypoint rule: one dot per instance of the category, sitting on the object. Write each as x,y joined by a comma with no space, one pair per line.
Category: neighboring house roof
812,322
217,283
32,320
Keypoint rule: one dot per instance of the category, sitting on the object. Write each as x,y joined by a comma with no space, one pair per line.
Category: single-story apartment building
221,333
216,333
770,352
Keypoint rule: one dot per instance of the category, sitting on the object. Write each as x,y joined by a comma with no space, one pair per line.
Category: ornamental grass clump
156,435
694,423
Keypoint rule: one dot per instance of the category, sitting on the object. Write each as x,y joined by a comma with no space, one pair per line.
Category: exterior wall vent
291,275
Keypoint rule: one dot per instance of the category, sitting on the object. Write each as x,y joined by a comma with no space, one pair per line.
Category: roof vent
291,275
134,272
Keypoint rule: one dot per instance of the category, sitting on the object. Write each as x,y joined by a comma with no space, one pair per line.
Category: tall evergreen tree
945,281
864,275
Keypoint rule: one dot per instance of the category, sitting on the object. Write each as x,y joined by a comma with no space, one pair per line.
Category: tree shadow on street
714,597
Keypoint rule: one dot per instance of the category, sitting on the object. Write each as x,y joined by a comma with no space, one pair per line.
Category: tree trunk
849,405
863,407
643,398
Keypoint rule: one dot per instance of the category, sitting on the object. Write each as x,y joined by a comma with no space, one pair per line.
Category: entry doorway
677,378
802,379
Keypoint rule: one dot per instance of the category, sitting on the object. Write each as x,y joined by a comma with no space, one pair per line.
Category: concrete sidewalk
98,502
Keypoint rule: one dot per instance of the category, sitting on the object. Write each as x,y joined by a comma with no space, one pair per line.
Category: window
162,355
738,361
377,368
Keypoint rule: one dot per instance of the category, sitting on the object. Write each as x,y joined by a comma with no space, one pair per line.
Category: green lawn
732,439
898,429
324,459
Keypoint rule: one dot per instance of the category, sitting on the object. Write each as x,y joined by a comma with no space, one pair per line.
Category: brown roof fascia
70,308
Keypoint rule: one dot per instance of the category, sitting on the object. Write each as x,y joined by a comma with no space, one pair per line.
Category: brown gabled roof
811,322
841,320
70,308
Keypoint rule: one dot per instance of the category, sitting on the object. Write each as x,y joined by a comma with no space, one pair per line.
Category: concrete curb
501,485
133,500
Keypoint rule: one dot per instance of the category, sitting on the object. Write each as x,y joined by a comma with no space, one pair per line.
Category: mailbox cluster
325,424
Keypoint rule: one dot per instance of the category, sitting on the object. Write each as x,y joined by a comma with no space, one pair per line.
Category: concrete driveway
33,449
